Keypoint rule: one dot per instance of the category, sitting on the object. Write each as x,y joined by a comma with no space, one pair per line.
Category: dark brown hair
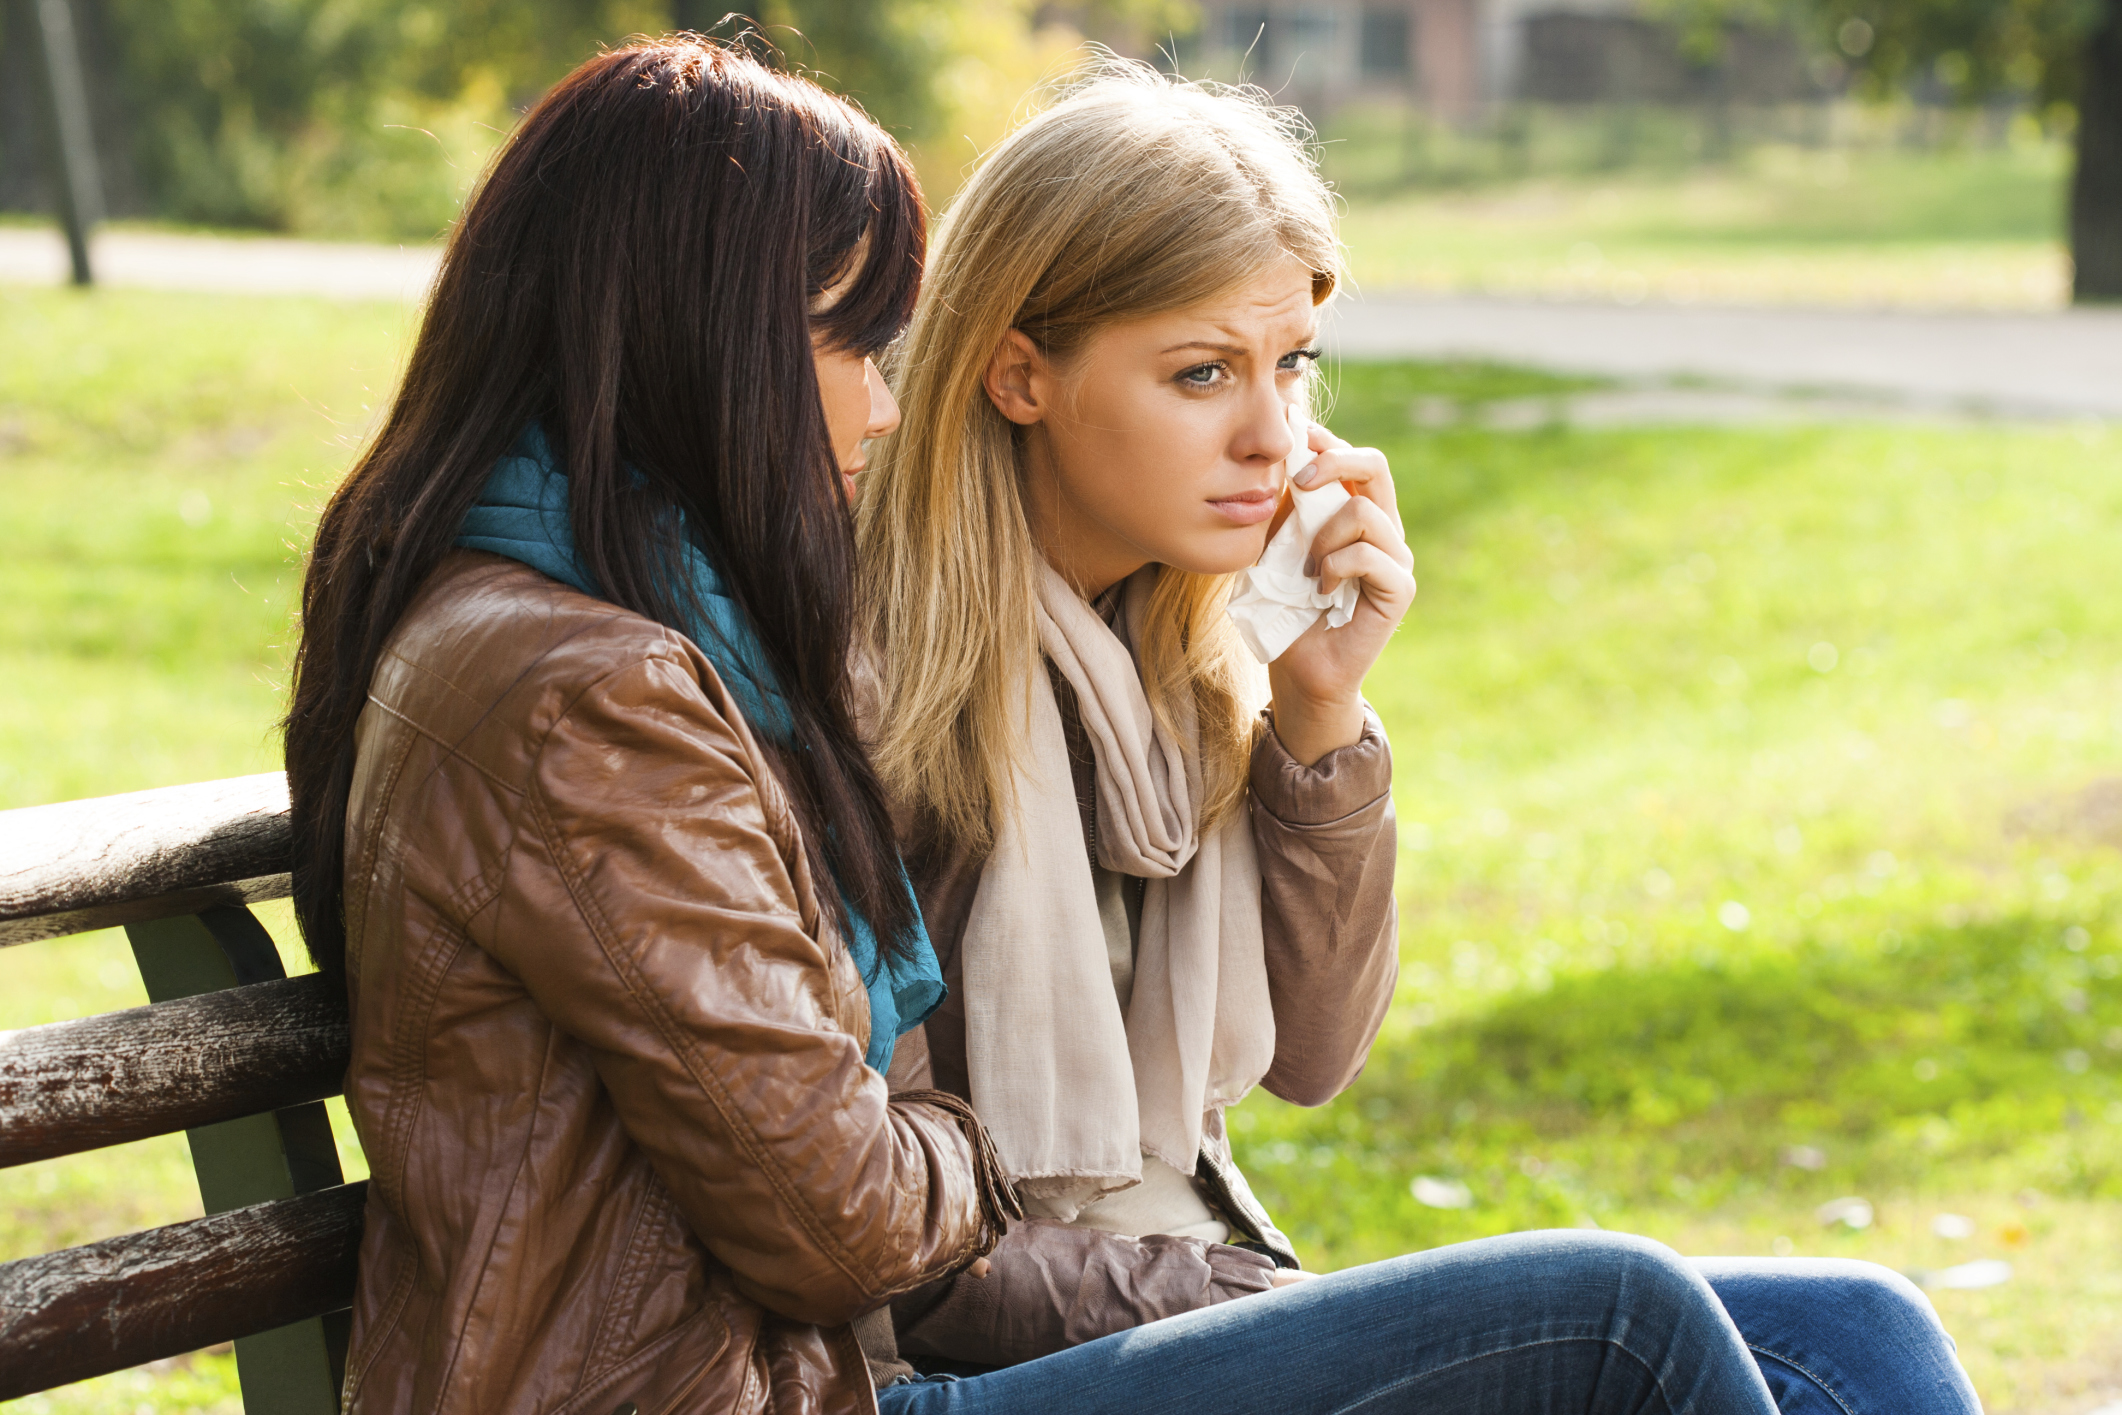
636,273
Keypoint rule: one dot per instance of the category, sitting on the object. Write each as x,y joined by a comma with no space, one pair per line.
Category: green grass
160,460
1612,726
1613,718
1969,228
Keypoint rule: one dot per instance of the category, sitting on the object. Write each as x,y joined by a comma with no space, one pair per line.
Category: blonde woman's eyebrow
1236,350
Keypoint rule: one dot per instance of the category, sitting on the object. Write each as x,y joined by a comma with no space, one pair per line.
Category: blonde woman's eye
1201,375
1297,359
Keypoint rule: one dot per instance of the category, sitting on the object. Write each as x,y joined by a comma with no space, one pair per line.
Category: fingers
1387,584
1363,540
1363,470
1359,520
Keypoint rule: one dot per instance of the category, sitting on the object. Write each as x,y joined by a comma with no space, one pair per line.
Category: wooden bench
230,1050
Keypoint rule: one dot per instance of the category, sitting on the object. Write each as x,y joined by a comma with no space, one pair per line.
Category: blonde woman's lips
1247,508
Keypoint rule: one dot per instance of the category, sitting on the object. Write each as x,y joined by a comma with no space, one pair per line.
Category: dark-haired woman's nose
883,408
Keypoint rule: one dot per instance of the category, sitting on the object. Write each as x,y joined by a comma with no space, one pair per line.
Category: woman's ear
1015,379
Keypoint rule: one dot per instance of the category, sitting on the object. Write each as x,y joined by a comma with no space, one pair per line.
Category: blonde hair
1133,194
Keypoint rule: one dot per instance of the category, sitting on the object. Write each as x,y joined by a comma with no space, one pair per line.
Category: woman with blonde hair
1156,876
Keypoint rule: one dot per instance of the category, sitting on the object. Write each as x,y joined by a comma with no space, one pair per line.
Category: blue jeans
1589,1323
1837,1337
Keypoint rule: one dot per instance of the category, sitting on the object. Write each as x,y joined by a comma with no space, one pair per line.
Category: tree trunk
77,187
2096,188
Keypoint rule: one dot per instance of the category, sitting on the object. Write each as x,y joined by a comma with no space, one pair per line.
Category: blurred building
1320,53
1457,57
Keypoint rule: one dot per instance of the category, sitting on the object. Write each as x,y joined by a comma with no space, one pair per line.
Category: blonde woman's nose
1269,433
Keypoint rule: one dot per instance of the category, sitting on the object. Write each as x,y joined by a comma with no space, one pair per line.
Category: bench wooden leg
295,1369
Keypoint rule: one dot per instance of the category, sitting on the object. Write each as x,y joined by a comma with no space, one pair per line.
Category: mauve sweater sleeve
1050,1286
1326,841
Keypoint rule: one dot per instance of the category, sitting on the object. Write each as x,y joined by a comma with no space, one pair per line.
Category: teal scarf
522,514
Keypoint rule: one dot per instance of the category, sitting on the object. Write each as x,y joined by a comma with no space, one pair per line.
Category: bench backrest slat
121,1076
145,1296
231,1051
80,865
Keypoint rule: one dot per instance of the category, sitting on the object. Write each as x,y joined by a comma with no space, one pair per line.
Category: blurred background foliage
1961,52
371,118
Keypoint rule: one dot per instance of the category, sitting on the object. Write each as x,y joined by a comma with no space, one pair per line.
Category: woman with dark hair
581,814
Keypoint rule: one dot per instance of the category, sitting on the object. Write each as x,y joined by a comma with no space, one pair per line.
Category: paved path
226,265
2039,365
2012,365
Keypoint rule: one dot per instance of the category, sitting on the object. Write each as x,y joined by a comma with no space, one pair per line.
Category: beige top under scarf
1075,1091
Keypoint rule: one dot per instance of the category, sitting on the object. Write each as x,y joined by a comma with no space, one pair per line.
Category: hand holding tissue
1275,601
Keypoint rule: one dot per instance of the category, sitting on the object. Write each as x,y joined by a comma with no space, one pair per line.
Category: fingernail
1311,565
1308,475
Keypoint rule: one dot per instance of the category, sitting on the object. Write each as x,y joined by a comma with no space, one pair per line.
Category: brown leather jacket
607,1055
1326,842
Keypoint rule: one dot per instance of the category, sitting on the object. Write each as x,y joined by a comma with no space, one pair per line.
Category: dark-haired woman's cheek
858,406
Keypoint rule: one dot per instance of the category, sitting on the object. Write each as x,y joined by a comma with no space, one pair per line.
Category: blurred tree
2096,185
2060,55
373,117
897,57
2053,52
220,93
873,53
945,76
278,113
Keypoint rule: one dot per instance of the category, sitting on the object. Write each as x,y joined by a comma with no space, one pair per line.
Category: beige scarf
1074,1092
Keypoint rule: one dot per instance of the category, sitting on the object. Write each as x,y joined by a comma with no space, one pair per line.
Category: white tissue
1275,600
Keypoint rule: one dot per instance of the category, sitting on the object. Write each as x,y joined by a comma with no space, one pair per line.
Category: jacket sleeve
1326,842
1051,1286
651,910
